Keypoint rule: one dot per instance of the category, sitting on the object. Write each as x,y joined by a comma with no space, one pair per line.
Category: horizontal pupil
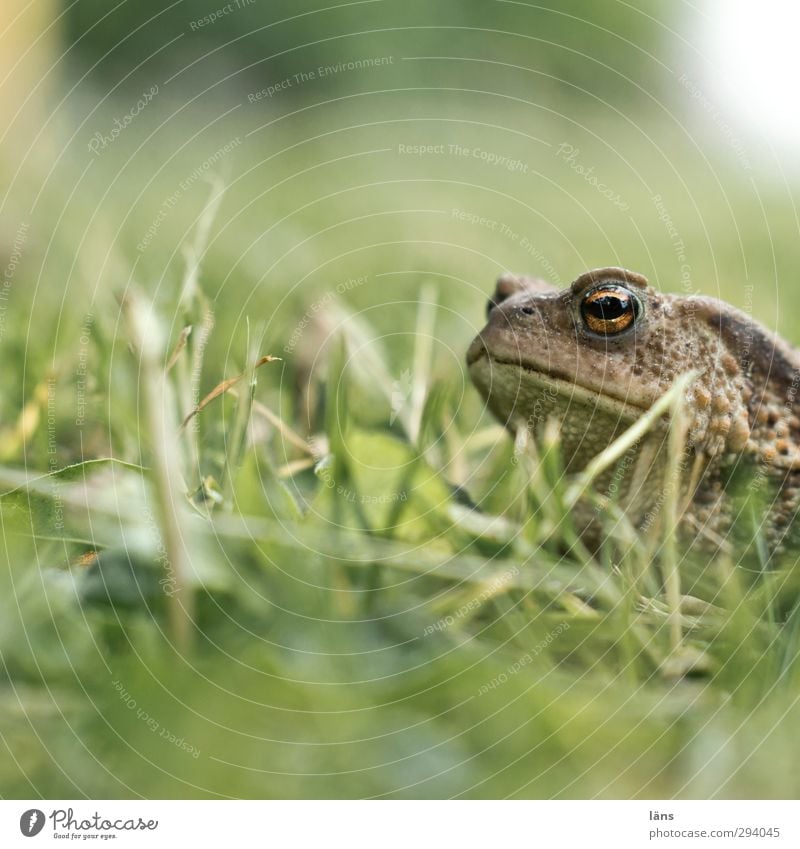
608,308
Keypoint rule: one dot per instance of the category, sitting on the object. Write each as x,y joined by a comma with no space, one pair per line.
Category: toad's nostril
528,310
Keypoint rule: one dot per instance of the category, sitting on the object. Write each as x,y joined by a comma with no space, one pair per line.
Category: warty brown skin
541,355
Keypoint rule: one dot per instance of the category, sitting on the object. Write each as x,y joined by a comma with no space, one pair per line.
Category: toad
598,355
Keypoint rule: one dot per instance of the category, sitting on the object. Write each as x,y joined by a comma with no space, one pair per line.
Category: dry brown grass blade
277,422
179,346
223,387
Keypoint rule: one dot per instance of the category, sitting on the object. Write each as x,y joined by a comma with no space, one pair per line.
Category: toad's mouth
506,382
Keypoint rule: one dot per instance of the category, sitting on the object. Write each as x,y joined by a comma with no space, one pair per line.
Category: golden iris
609,310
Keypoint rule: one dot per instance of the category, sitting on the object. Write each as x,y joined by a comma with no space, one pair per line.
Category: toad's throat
552,380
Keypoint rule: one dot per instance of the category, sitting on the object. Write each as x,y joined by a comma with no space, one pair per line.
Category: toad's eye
610,310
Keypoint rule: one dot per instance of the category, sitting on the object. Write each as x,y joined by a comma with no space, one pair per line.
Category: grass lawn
289,596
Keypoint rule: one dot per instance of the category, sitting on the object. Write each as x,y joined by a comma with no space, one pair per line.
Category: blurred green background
360,171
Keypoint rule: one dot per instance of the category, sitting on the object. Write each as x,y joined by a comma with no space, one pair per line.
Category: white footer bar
402,824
